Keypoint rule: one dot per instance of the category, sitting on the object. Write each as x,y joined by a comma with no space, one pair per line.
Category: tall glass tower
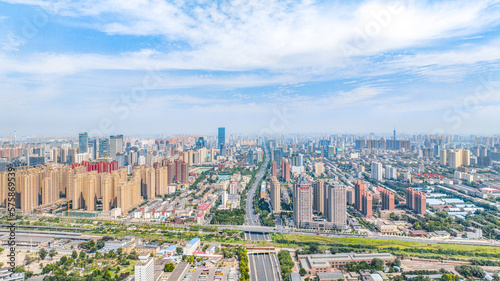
83,143
222,140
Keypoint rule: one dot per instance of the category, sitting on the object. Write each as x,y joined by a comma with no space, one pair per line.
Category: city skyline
249,67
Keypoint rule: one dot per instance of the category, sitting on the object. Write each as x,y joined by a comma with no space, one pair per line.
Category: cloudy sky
174,67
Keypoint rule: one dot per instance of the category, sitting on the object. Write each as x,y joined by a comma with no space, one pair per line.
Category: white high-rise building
115,145
224,199
145,269
376,171
391,173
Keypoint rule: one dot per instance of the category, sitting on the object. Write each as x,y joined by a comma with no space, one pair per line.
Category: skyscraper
302,202
336,205
359,191
319,196
221,140
83,142
367,204
275,194
115,145
285,170
274,169
103,147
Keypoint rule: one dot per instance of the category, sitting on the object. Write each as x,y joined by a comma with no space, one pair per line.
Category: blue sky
174,67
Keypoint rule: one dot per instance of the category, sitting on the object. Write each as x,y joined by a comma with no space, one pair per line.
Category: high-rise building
115,145
376,171
416,201
387,199
319,168
359,191
285,170
103,147
94,148
83,142
367,204
275,194
145,269
221,140
302,202
336,205
391,173
319,196
274,169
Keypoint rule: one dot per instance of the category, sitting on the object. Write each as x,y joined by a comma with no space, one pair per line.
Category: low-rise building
318,263
191,246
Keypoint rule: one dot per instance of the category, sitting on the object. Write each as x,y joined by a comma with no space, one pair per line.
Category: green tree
377,264
52,253
302,271
42,253
178,250
169,267
74,254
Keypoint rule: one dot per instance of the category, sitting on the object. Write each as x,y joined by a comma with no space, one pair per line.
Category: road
251,218
262,267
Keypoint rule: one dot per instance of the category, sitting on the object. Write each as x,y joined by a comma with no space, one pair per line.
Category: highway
252,219
262,267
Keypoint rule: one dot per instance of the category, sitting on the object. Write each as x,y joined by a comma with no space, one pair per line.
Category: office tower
285,170
336,205
200,142
302,202
278,156
376,171
275,194
274,169
387,199
94,148
115,145
297,160
221,140
145,269
83,143
103,147
359,191
319,196
367,205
